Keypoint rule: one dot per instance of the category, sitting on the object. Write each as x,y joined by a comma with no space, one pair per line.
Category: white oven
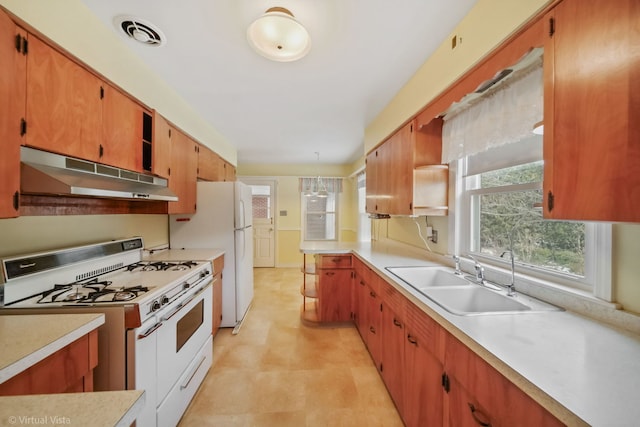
172,352
158,316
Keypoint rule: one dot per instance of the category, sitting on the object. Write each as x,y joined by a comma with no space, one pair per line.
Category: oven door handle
185,303
149,331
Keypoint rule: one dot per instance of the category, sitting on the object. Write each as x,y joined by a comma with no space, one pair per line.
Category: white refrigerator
223,220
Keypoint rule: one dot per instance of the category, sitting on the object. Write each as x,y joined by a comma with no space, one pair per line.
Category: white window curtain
505,114
314,184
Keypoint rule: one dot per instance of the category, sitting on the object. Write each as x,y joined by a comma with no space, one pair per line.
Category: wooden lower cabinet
433,379
479,395
334,276
69,370
373,316
334,295
392,363
423,368
218,265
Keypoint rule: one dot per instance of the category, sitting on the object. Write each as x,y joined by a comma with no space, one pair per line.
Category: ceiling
362,53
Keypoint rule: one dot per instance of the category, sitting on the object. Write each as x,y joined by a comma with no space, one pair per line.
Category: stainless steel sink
425,276
460,296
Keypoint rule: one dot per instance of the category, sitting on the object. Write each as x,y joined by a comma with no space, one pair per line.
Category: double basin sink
460,296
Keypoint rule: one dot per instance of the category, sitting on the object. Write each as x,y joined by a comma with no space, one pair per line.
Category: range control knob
164,300
186,285
155,306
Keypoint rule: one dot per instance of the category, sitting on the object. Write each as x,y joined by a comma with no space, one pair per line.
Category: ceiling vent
140,30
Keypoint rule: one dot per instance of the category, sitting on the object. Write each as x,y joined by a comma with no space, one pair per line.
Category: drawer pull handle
373,294
372,329
412,340
398,324
478,419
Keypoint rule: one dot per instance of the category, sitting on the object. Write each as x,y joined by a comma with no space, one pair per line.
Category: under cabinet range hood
42,172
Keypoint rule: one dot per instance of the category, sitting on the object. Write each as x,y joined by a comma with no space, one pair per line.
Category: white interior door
263,204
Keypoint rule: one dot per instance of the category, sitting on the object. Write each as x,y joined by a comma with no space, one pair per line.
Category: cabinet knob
412,340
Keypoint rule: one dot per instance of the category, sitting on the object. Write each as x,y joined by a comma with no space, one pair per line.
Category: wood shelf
308,269
431,167
309,289
309,312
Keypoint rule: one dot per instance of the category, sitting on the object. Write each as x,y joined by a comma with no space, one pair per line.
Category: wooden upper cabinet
183,178
592,105
404,174
12,108
229,171
212,167
209,164
71,111
63,107
122,127
161,146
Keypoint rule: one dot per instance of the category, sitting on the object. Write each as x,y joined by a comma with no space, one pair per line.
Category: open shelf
309,311
309,289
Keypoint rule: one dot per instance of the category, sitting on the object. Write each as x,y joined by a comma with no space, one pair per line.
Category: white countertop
183,254
584,372
27,339
96,409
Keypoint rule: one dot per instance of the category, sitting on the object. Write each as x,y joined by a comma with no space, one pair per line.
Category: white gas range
157,331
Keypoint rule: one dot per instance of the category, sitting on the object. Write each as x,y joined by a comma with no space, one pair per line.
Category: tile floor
278,372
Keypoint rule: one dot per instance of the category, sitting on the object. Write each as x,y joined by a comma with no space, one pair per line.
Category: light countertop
582,371
27,339
96,409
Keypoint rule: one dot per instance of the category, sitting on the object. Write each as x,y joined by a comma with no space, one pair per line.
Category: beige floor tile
278,372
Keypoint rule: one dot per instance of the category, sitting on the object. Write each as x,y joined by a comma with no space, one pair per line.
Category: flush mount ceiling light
277,35
140,30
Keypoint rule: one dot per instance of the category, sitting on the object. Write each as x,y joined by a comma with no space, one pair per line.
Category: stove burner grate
161,265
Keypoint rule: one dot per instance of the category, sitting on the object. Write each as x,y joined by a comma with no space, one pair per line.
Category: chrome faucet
456,259
511,288
479,271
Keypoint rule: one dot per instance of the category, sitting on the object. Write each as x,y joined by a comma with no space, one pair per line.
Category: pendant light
278,36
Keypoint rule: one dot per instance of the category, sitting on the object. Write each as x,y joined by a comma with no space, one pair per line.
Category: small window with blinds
319,199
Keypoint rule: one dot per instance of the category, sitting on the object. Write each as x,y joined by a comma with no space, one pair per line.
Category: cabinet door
360,304
374,322
592,100
423,393
209,164
477,392
334,295
373,192
184,162
229,172
122,130
392,366
12,109
161,146
400,171
64,109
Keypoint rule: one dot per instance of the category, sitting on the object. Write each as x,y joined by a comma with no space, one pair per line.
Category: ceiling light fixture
278,36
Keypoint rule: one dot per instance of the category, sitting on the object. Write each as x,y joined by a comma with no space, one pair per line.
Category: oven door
183,333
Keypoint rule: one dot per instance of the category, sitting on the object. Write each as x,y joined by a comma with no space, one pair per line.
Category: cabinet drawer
394,299
425,331
334,261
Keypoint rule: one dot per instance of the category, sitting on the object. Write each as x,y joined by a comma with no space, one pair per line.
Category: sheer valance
502,116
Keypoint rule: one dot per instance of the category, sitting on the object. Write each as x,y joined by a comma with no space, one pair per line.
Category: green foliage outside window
516,215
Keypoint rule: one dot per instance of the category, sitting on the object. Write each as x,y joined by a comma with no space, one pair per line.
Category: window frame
335,212
598,243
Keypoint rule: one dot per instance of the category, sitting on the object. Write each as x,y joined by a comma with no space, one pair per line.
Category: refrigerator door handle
242,213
